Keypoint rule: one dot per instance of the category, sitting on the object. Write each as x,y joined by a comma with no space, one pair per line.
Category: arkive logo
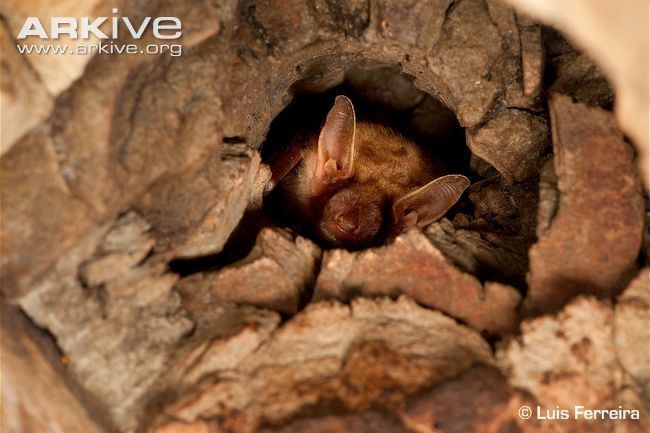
91,39
83,28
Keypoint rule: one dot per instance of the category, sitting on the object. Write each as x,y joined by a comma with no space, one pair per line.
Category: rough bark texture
413,266
576,358
517,157
275,275
111,311
135,235
38,398
597,254
371,353
618,53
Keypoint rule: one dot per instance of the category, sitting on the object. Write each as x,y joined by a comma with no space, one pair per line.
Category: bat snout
348,222
352,228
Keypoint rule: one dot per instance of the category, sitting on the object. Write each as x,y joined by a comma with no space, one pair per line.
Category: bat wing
283,164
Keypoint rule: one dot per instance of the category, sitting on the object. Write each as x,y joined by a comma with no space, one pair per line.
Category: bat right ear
336,146
429,203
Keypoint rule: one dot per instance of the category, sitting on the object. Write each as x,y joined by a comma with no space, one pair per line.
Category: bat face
352,217
360,184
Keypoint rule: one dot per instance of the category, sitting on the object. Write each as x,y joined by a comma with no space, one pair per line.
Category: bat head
352,218
354,215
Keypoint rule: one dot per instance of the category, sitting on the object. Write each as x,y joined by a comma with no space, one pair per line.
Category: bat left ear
336,146
428,204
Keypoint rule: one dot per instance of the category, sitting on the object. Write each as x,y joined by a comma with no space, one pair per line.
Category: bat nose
348,222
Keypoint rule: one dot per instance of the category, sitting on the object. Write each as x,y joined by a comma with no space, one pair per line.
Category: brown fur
386,167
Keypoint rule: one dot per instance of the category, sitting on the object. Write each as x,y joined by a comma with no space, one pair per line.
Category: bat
358,184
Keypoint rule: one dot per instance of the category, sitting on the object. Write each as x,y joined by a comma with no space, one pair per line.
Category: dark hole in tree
381,95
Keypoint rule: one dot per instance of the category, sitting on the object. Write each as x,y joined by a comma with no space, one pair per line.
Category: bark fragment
338,356
413,266
480,54
478,401
118,323
599,221
632,332
415,22
506,22
275,275
194,213
512,142
38,212
36,395
532,55
571,359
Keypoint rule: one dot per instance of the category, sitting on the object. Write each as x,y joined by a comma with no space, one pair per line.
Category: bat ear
336,150
429,203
